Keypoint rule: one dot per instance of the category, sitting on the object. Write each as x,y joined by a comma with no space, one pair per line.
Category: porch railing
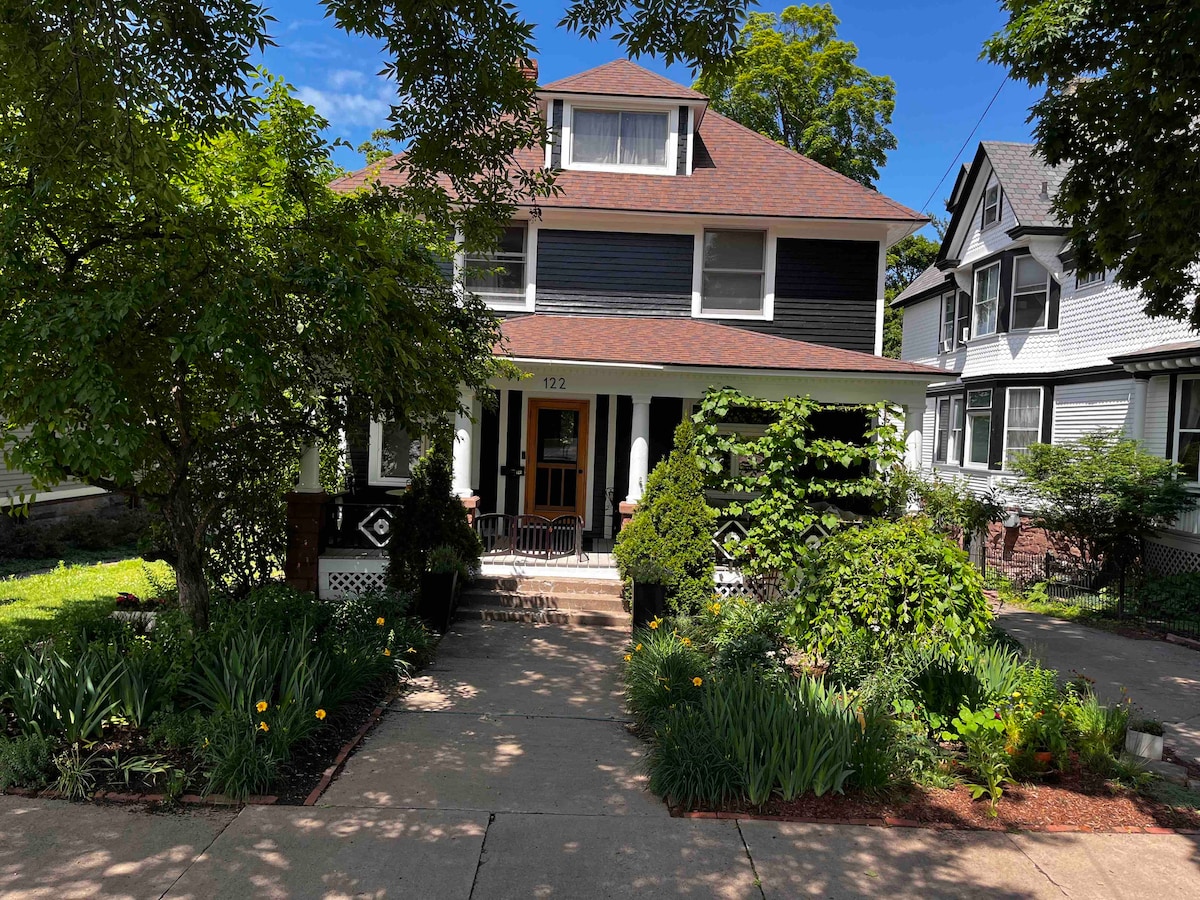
533,536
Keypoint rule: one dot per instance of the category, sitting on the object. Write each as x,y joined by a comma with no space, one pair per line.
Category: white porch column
463,445
639,448
914,423
1137,408
310,470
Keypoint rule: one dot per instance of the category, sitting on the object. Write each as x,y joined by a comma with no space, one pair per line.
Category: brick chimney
529,69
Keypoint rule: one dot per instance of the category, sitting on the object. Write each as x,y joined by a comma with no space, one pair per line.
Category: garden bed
1077,801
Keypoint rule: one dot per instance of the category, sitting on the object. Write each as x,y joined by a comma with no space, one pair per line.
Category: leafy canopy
1121,80
795,82
1104,493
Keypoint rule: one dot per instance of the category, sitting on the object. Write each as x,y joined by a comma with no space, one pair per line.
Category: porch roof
684,342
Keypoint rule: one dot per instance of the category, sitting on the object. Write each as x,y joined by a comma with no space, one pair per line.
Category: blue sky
929,47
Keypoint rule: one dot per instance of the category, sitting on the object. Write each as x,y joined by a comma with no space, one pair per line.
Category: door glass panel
558,436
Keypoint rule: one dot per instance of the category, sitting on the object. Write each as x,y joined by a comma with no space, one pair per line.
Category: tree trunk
187,535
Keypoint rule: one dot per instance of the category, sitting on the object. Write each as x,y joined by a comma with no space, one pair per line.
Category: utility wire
982,116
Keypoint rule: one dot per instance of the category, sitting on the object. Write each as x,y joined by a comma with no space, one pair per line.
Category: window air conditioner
947,345
966,334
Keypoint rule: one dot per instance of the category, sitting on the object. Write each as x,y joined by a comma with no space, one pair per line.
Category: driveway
509,772
1162,679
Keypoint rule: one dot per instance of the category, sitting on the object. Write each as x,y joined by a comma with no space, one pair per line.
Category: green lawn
28,606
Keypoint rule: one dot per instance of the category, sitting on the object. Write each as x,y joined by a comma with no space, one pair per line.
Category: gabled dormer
619,117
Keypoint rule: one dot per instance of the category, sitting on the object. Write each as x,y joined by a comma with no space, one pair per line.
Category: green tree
231,305
1118,112
906,259
795,82
669,538
1102,492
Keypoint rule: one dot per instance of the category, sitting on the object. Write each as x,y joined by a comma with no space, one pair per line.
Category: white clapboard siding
1081,409
921,331
928,433
983,242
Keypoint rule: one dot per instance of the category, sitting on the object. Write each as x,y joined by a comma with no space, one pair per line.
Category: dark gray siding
825,292
612,273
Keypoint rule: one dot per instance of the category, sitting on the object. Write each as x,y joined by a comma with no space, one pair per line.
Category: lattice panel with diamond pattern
1163,559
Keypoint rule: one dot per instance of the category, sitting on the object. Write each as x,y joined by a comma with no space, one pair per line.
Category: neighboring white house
64,498
1046,353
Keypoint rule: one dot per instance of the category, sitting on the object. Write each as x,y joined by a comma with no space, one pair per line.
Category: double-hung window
1187,440
1022,420
499,277
1087,279
619,138
991,206
979,427
946,335
985,305
1030,293
949,430
393,451
734,263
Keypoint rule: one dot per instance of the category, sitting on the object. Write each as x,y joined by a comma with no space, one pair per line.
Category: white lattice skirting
339,578
1163,558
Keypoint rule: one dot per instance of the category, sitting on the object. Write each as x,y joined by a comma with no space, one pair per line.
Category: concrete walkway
1162,679
509,773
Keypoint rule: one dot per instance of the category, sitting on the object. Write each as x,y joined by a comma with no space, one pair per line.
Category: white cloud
340,79
348,108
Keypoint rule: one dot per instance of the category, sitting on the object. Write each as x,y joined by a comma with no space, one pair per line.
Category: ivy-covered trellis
790,473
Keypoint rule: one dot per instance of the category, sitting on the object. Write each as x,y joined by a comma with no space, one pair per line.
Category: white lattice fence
338,578
1165,559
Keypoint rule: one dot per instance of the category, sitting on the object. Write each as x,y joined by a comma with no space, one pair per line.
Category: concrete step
549,585
543,616
518,600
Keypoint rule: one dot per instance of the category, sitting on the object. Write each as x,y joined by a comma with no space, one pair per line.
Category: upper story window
1187,439
946,334
734,263
499,277
1030,293
991,206
979,426
619,138
1087,279
986,302
1023,420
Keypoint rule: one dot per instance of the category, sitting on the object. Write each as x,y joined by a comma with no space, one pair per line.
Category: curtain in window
987,301
1024,419
643,139
595,136
1188,454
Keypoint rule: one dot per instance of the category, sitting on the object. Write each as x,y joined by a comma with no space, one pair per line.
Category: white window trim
1008,414
941,340
985,225
967,428
937,428
767,314
953,450
497,302
629,105
975,300
1102,277
375,476
1012,299
1175,435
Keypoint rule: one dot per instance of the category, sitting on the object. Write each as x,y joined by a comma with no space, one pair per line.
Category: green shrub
687,763
669,539
1171,597
1097,731
26,761
738,633
429,515
900,581
51,696
661,673
177,729
239,758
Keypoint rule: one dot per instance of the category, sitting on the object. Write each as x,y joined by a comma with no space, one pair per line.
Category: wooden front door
556,458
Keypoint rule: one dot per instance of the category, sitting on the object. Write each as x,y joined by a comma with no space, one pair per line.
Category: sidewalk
510,773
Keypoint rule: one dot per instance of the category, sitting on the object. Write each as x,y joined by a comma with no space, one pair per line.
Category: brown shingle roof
684,342
737,172
622,78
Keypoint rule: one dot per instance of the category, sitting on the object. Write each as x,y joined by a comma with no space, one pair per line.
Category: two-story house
682,252
1043,351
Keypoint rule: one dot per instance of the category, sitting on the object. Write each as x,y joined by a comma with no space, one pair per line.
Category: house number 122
555,384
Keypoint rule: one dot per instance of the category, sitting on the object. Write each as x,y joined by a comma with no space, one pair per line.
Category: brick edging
340,760
134,797
894,822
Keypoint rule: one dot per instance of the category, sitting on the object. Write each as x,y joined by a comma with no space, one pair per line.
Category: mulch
1074,801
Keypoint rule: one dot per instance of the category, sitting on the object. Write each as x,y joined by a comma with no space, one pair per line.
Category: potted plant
1144,739
650,582
438,597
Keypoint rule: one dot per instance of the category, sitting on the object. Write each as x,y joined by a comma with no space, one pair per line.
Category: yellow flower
716,608
411,650
263,726
697,681
637,648
260,706
1016,694
320,714
387,651
628,657
687,642
655,623
379,621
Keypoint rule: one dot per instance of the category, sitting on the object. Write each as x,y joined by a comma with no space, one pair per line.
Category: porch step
543,616
549,585
521,600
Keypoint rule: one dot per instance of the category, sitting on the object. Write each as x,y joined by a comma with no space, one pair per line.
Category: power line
982,116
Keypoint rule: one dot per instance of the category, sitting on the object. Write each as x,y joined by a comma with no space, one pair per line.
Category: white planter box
145,618
1144,746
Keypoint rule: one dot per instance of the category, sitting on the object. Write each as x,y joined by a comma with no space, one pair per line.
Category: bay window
1022,420
979,427
1030,293
499,277
734,263
1187,438
603,137
986,302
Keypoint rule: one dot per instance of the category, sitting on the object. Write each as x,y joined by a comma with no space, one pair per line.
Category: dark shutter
624,437
996,450
1048,414
600,467
512,456
963,322
489,453
556,122
684,137
1172,400
1004,307
1053,305
665,415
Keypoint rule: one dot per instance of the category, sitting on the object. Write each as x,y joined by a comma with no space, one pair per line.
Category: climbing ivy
791,474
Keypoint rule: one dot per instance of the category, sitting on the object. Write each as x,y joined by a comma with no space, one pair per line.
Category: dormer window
991,206
620,139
